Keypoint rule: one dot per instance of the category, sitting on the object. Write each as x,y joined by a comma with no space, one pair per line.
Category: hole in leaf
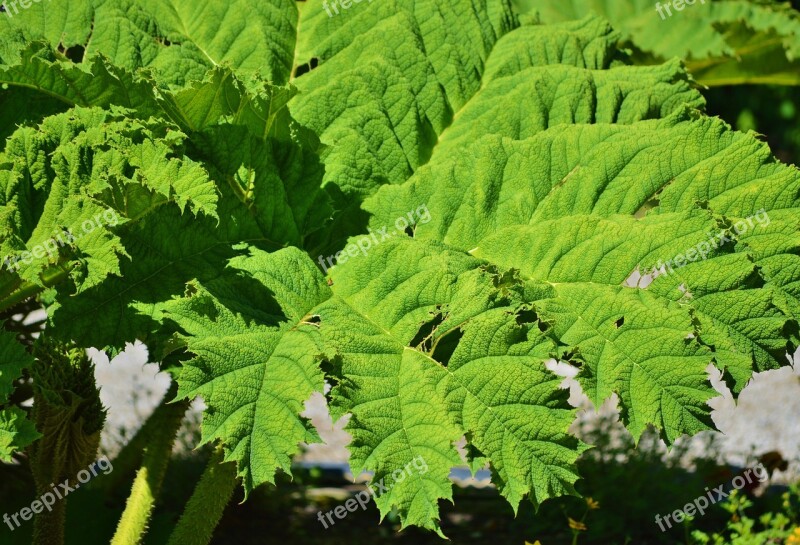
526,316
646,207
409,231
472,452
422,339
178,356
755,279
315,319
504,281
333,373
542,326
572,357
446,345
619,322
637,279
308,67
74,53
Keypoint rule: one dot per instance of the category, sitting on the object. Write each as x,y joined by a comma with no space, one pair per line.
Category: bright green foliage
65,214
554,183
390,77
178,41
255,364
742,529
16,431
393,381
549,171
724,42
249,149
98,84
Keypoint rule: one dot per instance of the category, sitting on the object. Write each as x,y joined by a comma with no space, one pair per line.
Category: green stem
147,484
205,507
48,526
9,285
28,289
25,291
68,413
130,457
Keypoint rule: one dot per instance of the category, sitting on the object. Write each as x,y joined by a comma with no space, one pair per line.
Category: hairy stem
22,292
147,484
48,526
25,290
68,413
130,457
9,285
205,507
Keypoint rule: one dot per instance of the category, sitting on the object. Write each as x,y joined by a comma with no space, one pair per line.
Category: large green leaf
388,78
431,347
178,40
563,174
16,432
567,207
224,142
69,187
255,362
544,153
504,183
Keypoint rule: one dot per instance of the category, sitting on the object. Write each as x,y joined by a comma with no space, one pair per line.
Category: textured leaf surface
502,184
566,207
72,185
409,398
390,77
223,142
216,96
95,83
255,361
16,432
574,171
178,40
